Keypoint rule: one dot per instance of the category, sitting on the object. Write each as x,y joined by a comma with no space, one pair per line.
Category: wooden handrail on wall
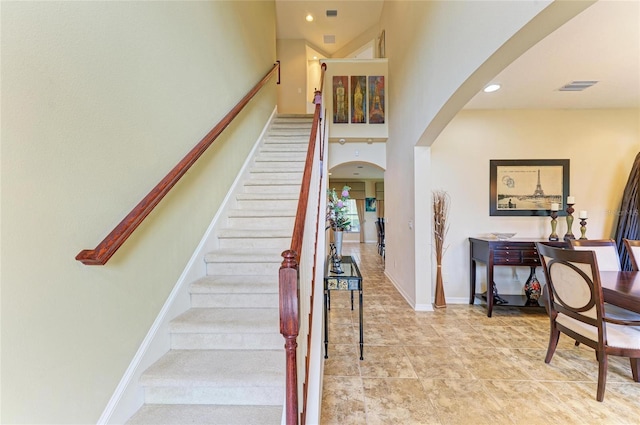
288,276
114,240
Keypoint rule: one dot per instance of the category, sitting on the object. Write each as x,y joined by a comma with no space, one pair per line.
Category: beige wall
600,144
435,50
292,90
99,101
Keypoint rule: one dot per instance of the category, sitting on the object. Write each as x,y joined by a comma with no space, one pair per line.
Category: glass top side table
349,280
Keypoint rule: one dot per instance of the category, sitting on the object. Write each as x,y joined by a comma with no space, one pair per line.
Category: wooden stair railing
288,276
114,240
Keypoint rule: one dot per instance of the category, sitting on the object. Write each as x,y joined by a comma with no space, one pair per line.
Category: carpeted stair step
285,147
261,219
265,201
271,186
216,377
245,261
181,414
280,157
253,240
242,291
277,167
227,329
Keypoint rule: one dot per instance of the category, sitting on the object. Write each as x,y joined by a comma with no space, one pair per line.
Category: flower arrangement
337,209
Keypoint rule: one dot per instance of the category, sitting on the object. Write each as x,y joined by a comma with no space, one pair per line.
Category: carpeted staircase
227,363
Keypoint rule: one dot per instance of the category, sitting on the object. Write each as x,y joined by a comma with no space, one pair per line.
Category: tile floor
457,366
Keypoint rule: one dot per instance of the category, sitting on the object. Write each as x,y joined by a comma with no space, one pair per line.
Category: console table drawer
530,256
507,256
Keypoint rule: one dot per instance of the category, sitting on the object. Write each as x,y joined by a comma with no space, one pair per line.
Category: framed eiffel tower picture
527,187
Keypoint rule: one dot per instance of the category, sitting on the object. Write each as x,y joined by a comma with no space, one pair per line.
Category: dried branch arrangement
441,202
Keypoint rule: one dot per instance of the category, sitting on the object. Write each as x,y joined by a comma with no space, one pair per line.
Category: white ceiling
601,44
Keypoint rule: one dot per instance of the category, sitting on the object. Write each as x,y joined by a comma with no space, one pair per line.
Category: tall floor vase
439,301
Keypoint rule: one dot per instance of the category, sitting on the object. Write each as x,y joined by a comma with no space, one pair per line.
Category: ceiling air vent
332,13
577,85
329,39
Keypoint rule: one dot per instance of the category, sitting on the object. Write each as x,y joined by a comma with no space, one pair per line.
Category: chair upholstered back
576,308
575,292
633,248
605,250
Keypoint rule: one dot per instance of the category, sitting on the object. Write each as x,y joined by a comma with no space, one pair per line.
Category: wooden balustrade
289,275
114,240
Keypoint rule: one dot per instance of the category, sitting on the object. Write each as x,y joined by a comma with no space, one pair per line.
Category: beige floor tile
437,362
455,365
386,362
342,401
397,401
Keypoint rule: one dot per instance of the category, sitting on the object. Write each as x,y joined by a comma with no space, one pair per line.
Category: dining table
621,288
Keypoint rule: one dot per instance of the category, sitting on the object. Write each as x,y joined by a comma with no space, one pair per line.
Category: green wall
99,101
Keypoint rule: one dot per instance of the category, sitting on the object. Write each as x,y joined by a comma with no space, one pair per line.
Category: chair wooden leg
554,336
635,369
602,375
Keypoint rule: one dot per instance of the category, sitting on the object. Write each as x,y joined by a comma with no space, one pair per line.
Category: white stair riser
277,175
267,204
287,154
251,187
215,395
280,160
277,167
261,222
284,148
242,268
222,341
239,300
268,243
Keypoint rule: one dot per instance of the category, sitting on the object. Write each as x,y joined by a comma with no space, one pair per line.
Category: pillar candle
583,214
571,200
555,206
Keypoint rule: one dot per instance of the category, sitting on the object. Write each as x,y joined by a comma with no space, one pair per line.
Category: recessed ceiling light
359,166
315,57
491,88
309,17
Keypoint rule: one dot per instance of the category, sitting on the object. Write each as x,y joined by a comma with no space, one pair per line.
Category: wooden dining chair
633,248
605,249
576,309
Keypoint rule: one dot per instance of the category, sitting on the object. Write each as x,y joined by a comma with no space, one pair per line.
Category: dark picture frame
370,204
340,99
358,98
527,187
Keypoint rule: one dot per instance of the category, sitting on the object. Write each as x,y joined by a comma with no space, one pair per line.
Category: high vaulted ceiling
601,44
353,18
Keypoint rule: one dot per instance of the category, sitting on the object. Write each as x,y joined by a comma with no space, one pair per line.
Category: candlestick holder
569,235
583,228
554,224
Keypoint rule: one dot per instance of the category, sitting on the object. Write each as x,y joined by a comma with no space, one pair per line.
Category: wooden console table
511,252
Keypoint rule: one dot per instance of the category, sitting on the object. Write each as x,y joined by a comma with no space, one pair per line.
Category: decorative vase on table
338,217
337,237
